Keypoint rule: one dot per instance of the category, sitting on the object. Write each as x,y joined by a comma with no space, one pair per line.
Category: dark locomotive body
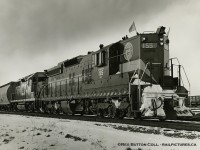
109,81
22,94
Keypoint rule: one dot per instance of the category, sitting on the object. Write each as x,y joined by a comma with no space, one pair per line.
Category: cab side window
99,59
115,53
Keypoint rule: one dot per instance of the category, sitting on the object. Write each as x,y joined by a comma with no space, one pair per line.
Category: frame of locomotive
102,82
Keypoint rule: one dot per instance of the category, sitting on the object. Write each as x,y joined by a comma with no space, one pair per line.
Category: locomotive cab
151,64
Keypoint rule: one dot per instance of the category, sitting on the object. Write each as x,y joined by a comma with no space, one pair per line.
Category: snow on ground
35,133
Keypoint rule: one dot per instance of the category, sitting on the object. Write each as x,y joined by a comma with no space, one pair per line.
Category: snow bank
152,101
34,133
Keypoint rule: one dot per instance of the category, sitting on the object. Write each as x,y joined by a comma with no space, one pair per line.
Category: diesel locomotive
130,78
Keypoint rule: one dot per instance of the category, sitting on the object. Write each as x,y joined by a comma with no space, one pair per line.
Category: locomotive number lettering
149,45
100,72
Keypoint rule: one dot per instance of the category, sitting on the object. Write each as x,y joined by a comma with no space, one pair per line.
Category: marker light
144,39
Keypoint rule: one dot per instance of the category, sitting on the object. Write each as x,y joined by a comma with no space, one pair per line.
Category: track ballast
188,125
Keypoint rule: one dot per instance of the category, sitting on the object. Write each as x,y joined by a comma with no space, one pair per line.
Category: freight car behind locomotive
6,95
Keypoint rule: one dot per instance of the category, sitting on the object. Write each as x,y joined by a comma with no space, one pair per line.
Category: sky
37,34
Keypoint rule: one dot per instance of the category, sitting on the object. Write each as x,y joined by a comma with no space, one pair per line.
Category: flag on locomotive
132,27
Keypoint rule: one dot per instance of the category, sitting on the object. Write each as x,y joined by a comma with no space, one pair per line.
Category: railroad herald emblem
128,51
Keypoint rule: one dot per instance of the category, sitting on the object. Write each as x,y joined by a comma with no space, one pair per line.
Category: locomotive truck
130,78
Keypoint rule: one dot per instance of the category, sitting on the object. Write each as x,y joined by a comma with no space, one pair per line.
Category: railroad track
173,124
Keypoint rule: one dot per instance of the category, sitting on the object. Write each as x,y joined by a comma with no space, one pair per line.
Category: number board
149,45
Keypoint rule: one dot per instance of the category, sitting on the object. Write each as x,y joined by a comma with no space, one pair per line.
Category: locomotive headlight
161,39
161,43
144,39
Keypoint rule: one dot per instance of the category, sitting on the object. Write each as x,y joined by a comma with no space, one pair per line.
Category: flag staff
133,28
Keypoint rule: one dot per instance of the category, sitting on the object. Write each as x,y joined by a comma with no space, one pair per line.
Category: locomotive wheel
27,107
121,114
101,113
162,118
89,111
31,107
49,110
82,113
129,114
58,111
45,110
52,110
73,113
41,110
111,111
65,113
137,115
86,108
15,107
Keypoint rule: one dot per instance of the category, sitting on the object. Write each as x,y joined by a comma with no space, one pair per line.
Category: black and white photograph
99,75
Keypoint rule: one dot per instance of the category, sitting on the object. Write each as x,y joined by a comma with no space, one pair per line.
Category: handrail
186,78
144,70
189,92
184,72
